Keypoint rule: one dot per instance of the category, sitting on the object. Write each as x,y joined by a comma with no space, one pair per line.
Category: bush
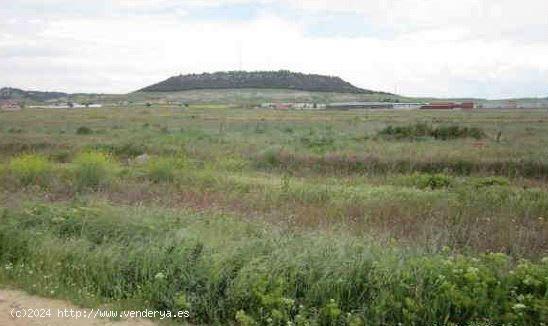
491,181
432,181
318,142
93,169
84,131
269,157
15,130
61,156
161,169
424,130
129,149
233,163
31,169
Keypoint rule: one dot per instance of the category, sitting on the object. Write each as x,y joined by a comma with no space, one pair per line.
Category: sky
441,48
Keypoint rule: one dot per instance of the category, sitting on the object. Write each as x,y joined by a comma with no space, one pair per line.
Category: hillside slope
257,79
9,93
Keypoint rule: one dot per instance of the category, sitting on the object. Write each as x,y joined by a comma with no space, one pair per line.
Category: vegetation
424,130
15,93
222,269
163,169
30,169
93,169
257,79
257,217
84,130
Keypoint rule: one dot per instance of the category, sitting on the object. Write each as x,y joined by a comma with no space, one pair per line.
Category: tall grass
356,227
425,130
430,210
223,270
93,169
164,169
31,169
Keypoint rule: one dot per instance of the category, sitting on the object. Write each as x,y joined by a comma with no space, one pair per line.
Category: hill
254,96
282,79
9,93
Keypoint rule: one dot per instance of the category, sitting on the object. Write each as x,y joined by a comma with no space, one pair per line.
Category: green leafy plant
491,181
420,130
431,181
83,130
93,169
31,169
163,169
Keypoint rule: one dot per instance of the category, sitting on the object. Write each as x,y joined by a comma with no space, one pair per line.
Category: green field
256,217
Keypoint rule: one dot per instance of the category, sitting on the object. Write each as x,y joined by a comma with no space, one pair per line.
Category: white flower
472,270
519,306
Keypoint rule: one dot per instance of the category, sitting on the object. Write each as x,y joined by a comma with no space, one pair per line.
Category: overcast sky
444,48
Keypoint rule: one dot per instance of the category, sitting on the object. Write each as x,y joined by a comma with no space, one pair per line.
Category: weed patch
31,169
227,271
162,169
430,181
93,169
84,131
421,130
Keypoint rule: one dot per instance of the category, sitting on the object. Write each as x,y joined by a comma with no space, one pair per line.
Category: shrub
123,150
129,149
432,181
61,156
162,169
31,169
424,130
93,169
318,142
15,130
491,181
233,163
453,132
84,130
270,157
288,129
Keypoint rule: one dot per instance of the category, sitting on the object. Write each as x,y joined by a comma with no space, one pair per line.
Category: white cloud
439,48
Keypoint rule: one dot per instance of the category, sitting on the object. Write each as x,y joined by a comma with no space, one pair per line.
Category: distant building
308,106
10,105
448,106
295,106
360,105
467,105
68,105
407,106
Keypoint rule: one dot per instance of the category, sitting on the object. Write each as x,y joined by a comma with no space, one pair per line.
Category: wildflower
288,301
519,306
472,270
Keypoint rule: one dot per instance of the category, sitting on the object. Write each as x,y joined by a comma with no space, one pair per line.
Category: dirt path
13,300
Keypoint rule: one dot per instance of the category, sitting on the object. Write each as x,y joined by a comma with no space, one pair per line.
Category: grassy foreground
222,269
259,217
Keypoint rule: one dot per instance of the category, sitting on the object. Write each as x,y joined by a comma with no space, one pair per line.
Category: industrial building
448,106
360,105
